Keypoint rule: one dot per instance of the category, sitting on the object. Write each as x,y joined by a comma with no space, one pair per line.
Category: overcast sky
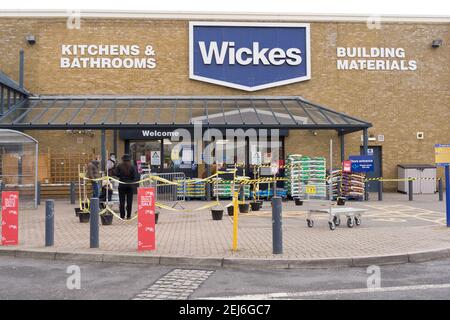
412,7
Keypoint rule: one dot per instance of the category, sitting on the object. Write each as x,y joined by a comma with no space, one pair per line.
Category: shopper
111,164
93,172
127,174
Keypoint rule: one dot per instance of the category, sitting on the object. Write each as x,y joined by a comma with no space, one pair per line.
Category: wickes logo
245,56
249,56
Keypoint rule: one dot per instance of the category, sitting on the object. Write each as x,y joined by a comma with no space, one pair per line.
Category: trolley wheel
332,225
336,220
310,223
357,221
350,223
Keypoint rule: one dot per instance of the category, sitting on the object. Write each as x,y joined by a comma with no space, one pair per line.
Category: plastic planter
107,219
84,217
255,206
217,214
244,207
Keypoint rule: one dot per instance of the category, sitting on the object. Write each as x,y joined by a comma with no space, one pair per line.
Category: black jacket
131,176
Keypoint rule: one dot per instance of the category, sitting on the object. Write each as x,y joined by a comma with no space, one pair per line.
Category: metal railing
168,194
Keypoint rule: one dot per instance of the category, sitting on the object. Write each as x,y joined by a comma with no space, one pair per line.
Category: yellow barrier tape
108,209
155,178
403,179
210,205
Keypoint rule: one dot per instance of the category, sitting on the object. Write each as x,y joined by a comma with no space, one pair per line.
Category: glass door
147,155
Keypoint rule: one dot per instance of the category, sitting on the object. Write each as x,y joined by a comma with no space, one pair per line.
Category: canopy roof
111,112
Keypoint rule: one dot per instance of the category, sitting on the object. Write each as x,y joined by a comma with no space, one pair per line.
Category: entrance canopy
110,112
19,166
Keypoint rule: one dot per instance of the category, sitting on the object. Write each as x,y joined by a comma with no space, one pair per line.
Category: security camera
31,39
436,43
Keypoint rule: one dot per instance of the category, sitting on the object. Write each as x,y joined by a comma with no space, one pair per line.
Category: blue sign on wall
362,163
249,56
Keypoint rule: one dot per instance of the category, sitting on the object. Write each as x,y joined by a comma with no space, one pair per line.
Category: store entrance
156,156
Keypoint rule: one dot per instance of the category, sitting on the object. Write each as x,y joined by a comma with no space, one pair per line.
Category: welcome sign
249,56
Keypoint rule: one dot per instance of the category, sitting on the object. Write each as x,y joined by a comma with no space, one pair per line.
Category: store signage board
146,219
347,166
310,189
442,154
10,218
249,56
155,159
188,154
362,164
256,158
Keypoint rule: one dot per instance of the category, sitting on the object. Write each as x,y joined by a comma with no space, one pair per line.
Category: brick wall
398,104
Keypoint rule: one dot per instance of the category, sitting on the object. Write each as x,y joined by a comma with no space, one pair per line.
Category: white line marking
284,295
415,216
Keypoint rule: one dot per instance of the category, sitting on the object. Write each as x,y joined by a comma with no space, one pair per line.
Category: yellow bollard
235,220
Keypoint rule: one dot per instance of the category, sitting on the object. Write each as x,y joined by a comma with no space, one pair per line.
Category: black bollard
94,230
49,223
441,193
366,191
277,235
380,190
410,190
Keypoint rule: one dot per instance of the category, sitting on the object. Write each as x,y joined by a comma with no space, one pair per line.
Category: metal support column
365,147
38,193
103,150
208,185
115,142
2,99
8,99
242,192
72,192
447,193
342,142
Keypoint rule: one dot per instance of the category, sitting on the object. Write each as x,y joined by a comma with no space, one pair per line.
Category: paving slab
392,231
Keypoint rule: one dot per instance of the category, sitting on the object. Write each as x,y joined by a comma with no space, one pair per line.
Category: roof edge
187,15
94,97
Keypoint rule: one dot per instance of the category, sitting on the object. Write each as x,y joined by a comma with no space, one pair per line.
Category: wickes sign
249,56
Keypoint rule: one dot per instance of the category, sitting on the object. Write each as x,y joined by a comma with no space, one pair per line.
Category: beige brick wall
398,104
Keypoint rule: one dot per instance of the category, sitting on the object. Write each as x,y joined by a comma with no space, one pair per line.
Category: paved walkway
392,227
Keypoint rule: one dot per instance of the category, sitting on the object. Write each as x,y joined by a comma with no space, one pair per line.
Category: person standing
127,173
111,164
93,172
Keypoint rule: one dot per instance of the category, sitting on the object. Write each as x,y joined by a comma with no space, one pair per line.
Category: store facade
387,74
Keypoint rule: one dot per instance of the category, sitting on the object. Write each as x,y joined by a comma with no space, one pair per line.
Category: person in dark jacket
127,173
93,172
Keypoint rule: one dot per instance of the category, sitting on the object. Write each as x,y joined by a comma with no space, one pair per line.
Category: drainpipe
21,67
